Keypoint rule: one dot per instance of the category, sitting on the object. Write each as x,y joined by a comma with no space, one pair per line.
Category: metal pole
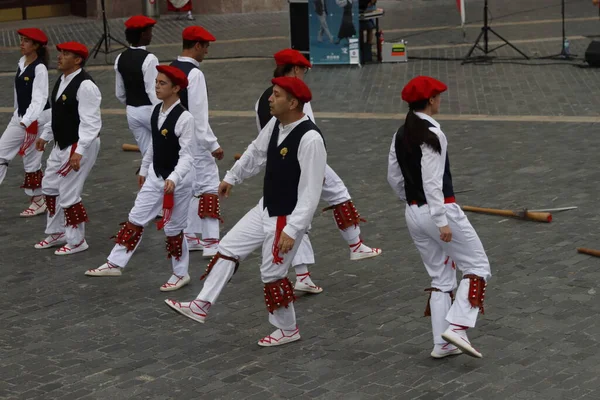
485,24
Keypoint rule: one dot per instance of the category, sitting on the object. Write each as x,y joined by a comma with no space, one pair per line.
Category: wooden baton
589,252
130,147
532,216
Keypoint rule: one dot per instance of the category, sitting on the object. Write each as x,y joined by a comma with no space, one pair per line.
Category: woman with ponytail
32,110
419,173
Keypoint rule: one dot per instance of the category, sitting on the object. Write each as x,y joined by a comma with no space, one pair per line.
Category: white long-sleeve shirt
150,72
307,111
433,165
90,121
184,130
312,158
198,106
39,94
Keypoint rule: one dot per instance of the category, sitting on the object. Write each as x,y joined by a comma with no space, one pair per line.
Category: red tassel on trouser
30,135
281,221
168,203
66,168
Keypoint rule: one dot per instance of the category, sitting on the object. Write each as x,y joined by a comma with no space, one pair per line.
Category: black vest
130,68
264,111
282,174
186,67
165,143
409,160
24,87
65,113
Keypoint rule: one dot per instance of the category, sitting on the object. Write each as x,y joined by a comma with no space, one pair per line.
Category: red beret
139,22
422,88
176,75
34,34
198,34
294,86
74,47
291,57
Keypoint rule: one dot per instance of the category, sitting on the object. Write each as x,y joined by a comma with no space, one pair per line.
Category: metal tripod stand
105,38
485,31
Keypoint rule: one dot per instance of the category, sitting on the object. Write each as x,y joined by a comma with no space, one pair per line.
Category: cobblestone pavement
66,336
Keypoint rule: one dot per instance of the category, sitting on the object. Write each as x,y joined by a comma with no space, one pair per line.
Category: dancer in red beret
292,63
32,111
75,128
204,214
135,78
165,180
293,150
419,173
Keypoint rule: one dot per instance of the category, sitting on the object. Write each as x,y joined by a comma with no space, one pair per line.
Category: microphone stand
563,55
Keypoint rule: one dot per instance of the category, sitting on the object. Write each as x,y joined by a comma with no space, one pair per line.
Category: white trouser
148,203
138,119
67,188
334,192
465,249
206,181
10,143
439,303
254,230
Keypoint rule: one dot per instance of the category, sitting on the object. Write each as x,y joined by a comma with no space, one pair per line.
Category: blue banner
334,30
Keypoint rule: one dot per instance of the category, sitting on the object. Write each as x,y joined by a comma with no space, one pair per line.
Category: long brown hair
282,70
42,53
416,130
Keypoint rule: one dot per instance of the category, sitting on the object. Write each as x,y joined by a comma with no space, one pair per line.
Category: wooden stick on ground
589,252
532,216
130,147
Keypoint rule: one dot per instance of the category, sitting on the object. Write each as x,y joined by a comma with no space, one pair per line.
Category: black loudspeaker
299,34
592,54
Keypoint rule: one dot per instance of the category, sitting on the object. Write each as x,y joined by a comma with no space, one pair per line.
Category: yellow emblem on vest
283,152
26,79
164,132
64,97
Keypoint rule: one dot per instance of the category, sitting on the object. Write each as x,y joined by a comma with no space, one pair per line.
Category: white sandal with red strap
196,310
445,350
68,250
279,337
106,269
55,239
37,207
194,244
457,335
211,247
305,284
360,251
175,282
